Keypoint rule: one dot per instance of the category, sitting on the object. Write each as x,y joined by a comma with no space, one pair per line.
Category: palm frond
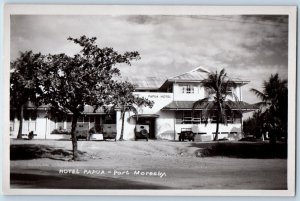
235,97
209,109
200,103
259,94
261,104
131,108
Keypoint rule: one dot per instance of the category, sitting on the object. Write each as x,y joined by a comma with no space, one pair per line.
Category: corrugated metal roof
184,105
146,82
199,73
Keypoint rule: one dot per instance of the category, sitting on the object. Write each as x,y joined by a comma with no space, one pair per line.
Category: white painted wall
129,125
237,92
164,124
160,100
209,129
41,125
199,92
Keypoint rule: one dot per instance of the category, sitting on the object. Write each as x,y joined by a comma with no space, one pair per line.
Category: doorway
150,122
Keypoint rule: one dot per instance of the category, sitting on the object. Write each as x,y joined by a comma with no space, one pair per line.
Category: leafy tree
25,83
126,101
255,125
87,78
274,104
219,87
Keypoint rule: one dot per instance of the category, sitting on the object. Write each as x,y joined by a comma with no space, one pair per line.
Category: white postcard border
156,10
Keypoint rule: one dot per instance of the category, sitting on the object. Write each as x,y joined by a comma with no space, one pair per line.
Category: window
229,119
110,119
179,117
213,119
196,117
188,89
229,90
188,117
237,118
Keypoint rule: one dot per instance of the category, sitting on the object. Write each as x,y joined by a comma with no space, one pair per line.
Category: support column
118,123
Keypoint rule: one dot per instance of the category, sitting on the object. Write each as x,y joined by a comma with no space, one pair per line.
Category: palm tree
274,97
124,109
218,87
126,101
24,84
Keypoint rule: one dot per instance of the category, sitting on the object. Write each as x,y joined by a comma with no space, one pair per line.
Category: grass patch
35,151
257,150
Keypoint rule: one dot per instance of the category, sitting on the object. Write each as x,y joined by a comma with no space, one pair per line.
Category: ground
141,165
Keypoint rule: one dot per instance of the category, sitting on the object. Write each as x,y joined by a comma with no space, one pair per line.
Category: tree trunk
217,124
21,115
74,137
217,131
122,126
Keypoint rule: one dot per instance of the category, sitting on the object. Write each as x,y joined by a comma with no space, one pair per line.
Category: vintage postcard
150,100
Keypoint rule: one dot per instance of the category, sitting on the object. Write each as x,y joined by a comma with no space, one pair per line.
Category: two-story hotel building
172,111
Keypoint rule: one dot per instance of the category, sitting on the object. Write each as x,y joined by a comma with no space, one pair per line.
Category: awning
145,116
188,105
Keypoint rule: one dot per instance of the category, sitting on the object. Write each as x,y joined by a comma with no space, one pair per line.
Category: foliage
87,78
25,83
217,104
274,105
255,125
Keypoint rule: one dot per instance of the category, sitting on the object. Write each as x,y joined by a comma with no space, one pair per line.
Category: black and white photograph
150,100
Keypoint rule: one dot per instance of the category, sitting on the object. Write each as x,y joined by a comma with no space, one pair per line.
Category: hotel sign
155,95
159,96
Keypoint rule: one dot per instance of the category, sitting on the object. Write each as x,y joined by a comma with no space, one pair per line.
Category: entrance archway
149,120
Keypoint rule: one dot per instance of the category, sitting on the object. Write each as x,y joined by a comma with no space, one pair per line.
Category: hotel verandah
172,111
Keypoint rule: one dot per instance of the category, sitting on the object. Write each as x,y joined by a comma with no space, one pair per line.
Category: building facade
171,113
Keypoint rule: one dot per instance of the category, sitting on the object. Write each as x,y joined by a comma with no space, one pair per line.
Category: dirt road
140,165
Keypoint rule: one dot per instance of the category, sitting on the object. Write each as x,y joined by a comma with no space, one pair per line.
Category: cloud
249,47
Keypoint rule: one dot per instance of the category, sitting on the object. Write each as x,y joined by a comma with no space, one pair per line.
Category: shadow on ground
258,150
52,181
35,151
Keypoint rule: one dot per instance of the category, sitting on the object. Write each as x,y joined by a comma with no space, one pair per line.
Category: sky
248,47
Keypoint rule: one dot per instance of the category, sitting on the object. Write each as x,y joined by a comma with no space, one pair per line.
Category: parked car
186,134
141,132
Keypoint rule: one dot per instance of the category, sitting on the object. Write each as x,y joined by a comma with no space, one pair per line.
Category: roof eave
146,88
